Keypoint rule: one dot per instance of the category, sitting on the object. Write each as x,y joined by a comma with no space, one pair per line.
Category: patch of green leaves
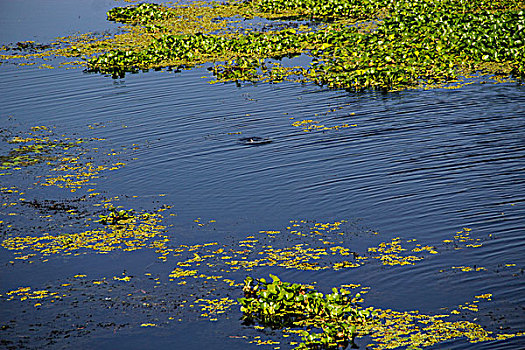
116,216
422,44
404,44
328,10
199,48
280,304
142,13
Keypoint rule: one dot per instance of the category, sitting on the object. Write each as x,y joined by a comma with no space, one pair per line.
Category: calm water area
419,165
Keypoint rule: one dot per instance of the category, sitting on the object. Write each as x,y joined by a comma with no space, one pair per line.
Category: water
417,165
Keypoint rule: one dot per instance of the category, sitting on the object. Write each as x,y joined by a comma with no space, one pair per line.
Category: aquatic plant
137,232
37,146
358,45
141,13
323,320
413,43
326,10
191,49
280,304
422,42
116,217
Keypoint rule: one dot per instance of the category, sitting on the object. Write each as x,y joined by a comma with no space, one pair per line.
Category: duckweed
469,268
412,329
135,234
389,329
211,308
388,253
25,293
309,125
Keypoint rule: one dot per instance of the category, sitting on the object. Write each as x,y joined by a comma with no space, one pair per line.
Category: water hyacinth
354,45
280,304
397,45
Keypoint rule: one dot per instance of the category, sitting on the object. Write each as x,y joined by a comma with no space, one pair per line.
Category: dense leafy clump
352,44
141,13
430,47
405,44
199,48
280,304
328,10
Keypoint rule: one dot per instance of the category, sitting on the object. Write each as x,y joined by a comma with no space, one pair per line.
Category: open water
419,165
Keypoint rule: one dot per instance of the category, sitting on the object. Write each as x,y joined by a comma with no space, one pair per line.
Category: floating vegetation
214,307
462,239
124,278
411,329
389,329
135,233
178,272
373,44
121,229
309,125
305,316
141,13
41,145
37,146
116,217
280,304
25,293
388,253
327,10
148,325
75,174
81,299
469,268
202,224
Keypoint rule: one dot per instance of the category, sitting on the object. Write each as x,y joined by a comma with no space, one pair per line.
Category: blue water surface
419,164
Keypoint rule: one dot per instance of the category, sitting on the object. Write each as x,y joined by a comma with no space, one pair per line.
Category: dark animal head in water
255,140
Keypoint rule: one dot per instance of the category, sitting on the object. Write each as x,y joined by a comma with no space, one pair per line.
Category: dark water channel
417,165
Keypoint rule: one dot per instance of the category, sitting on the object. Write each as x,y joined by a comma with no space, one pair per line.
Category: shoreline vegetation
355,45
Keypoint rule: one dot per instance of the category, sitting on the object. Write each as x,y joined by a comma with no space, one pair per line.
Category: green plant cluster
142,13
116,217
328,10
280,304
198,48
254,44
423,44
415,43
